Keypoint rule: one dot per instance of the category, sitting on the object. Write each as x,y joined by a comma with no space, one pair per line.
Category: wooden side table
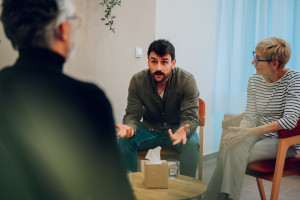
183,187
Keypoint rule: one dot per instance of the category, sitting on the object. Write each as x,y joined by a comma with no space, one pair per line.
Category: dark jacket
57,135
179,105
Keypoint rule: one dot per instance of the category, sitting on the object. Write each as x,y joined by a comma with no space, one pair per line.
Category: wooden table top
183,187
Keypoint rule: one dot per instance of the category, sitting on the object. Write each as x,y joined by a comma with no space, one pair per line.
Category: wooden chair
168,153
271,170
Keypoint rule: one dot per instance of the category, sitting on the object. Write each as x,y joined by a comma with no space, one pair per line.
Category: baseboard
210,156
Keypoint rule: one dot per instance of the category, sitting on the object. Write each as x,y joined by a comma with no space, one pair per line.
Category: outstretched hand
236,135
179,135
124,131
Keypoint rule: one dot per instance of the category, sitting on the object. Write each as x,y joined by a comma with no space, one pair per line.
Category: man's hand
179,135
236,135
124,131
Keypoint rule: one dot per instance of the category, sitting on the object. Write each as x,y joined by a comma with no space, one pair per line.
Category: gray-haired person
57,135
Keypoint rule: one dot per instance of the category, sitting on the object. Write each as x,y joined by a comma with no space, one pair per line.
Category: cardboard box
156,175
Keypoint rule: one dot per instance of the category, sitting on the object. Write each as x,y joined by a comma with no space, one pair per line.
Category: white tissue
154,155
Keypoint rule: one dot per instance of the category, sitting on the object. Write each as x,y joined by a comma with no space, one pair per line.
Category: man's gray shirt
177,107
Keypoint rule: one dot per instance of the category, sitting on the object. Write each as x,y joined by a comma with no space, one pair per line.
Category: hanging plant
108,17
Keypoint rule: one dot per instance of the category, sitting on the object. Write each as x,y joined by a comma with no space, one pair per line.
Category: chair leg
276,183
280,160
139,165
261,188
200,165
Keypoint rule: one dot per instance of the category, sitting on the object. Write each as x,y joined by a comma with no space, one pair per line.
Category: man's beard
159,73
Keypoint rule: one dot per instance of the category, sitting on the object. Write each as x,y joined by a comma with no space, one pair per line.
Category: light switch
138,52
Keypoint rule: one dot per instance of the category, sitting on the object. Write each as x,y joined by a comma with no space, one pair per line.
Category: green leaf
109,18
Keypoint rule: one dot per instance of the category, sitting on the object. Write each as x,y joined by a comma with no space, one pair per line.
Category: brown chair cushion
268,166
263,166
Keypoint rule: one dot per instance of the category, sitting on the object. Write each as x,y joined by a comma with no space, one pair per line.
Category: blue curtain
241,25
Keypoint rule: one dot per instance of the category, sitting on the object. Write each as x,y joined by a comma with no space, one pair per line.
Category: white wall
191,26
108,59
7,54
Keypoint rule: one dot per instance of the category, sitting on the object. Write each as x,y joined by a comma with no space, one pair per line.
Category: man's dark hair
162,47
28,23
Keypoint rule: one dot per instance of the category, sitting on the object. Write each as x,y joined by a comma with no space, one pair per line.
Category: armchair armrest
290,137
290,133
229,121
232,121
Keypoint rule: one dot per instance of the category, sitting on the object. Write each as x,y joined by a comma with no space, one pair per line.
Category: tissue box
156,175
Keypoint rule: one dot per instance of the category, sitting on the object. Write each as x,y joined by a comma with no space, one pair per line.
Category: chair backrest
201,116
201,112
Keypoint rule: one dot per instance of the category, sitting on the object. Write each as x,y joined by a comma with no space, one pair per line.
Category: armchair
271,170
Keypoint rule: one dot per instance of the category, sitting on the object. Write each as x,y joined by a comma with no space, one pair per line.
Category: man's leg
143,140
128,153
189,155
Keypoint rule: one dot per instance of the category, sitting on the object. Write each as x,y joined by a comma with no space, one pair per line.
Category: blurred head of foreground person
273,104
57,135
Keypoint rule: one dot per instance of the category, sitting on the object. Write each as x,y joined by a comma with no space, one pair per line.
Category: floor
289,189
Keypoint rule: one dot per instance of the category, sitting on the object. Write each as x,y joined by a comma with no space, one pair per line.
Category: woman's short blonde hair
275,49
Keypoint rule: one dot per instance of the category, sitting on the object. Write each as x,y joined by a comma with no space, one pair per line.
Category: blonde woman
273,104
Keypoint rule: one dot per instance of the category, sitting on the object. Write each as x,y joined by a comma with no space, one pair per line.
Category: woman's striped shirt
278,101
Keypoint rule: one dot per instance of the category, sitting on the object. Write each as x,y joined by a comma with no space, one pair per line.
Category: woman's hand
236,135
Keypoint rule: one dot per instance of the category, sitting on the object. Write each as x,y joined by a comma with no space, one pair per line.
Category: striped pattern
278,101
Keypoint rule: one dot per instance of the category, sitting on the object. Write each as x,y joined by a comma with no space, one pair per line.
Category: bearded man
162,108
